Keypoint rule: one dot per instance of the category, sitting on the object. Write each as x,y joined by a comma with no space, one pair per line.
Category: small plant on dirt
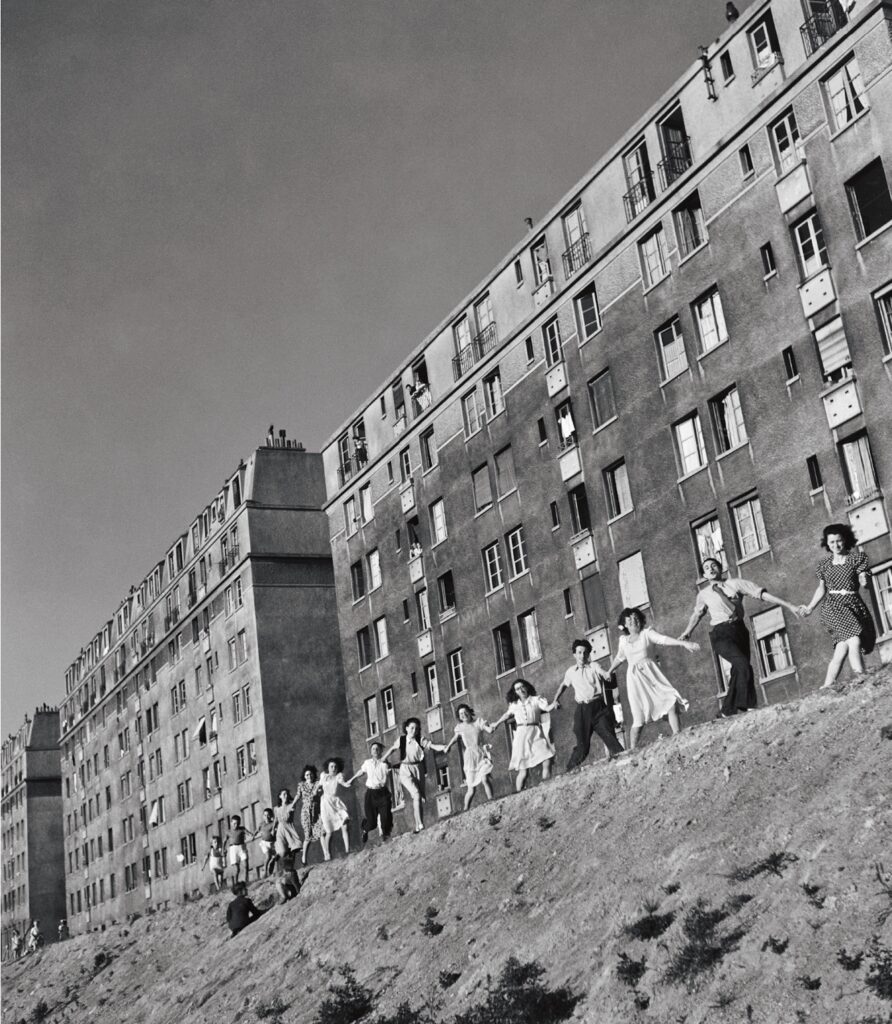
879,975
630,971
670,887
775,945
271,1011
102,959
704,947
348,1002
449,978
885,881
431,927
773,864
723,1000
808,983
641,1001
406,1015
544,822
494,819
40,1011
849,961
734,903
520,997
813,895
650,925
382,932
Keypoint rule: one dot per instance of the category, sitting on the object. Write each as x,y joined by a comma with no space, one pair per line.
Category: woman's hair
312,769
625,613
409,721
843,530
715,561
287,793
467,708
336,761
511,696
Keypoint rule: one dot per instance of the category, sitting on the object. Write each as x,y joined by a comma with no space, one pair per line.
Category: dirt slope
796,796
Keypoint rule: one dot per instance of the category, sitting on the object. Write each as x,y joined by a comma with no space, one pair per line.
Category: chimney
731,12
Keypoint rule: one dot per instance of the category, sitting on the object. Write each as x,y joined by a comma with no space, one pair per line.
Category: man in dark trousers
378,804
241,912
592,715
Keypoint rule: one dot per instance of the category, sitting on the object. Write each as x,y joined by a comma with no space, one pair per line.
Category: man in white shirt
592,714
378,803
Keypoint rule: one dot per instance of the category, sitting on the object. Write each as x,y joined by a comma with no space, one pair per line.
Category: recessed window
727,419
566,425
815,479
845,94
790,366
470,413
364,646
530,649
708,543
568,602
373,561
710,319
505,476
784,135
530,350
616,488
456,673
461,339
833,351
515,541
357,578
482,488
600,393
351,519
690,228
366,511
869,199
769,267
670,350
492,393
438,521
881,584
764,46
773,644
389,472
639,181
689,444
406,612
503,645
428,449
580,519
492,567
749,527
389,707
726,66
808,240
541,262
551,334
588,315
422,607
652,250
446,593
578,251
371,716
543,430
518,273
883,304
746,161
858,467
405,465
555,515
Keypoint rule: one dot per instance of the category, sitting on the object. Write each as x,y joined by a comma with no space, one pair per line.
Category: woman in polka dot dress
845,616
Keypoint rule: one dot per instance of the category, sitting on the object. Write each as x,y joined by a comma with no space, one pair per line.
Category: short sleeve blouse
845,575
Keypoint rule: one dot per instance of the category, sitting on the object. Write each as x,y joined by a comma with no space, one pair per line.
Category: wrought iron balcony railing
484,342
820,27
677,160
577,256
638,198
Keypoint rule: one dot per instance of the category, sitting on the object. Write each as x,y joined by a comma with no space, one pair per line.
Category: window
530,350
833,350
505,479
690,228
529,637
670,349
652,250
770,631
689,444
708,541
239,595
727,419
428,449
883,303
769,267
492,567
551,335
764,46
446,593
485,320
177,703
228,607
593,598
746,161
364,647
371,716
241,762
749,528
616,487
815,479
357,579
389,707
790,367
470,413
541,263
438,521
784,135
518,273
517,551
882,591
639,180
184,796
808,240
405,466
845,94
543,431
390,476
374,569
366,511
568,603
422,606
726,66
504,648
555,515
432,685
461,336
869,199
482,488
632,581
588,315
492,393
710,318
237,707
351,519
579,512
858,467
188,849
242,646
600,393
566,425
382,648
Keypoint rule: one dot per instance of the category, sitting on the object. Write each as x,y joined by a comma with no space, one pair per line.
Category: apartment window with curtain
482,488
492,567
422,606
438,521
727,419
541,262
845,94
503,644
516,544
492,393
652,251
382,647
671,352
808,241
588,314
749,527
470,413
858,467
601,398
708,542
616,489
551,335
784,135
690,228
833,351
373,562
566,425
689,444
710,319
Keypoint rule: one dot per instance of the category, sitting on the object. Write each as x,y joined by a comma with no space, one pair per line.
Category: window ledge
490,416
589,337
792,380
694,472
429,469
374,588
437,543
693,252
730,451
605,424
473,433
495,590
506,672
836,385
839,131
714,348
358,600
876,234
767,277
519,576
532,661
749,174
815,491
554,529
483,510
542,444
508,494
657,283
365,668
460,695
727,81
450,613
680,373
779,675
887,358
755,554
622,515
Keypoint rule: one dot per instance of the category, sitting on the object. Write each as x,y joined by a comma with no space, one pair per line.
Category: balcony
841,402
407,495
400,423
416,568
345,471
820,27
817,292
543,292
570,463
583,550
462,362
677,160
862,496
484,342
576,257
191,598
425,643
638,198
867,515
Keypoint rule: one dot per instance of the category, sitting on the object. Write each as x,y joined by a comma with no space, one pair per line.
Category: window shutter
768,622
833,347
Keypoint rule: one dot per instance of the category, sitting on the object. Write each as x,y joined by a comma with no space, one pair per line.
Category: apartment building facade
217,677
31,822
689,356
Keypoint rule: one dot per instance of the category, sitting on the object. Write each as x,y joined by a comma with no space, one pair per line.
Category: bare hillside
732,874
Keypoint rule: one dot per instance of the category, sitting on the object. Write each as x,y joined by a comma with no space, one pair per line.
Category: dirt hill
733,874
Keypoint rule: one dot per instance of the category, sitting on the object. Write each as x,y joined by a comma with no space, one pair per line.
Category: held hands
691,646
802,611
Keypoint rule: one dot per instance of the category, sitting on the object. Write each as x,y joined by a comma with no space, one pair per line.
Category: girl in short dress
477,756
650,694
845,616
332,809
531,745
412,746
287,838
310,824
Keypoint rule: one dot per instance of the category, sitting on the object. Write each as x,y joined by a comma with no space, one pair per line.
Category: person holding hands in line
530,746
377,806
592,713
477,759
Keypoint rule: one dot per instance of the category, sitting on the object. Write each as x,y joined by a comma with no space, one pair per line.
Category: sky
222,214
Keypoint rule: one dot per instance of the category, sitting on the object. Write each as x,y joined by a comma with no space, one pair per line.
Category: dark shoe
365,836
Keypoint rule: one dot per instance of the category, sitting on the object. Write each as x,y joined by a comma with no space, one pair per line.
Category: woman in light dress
412,746
333,813
651,696
477,755
287,838
531,744
310,824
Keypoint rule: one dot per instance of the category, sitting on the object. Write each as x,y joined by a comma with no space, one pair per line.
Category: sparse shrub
734,903
494,819
519,997
670,887
102,959
348,1001
40,1011
808,983
773,864
886,883
775,945
651,925
544,822
431,926
271,1011
382,933
641,1001
723,1000
406,1015
879,976
449,978
813,895
704,947
849,962
630,971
